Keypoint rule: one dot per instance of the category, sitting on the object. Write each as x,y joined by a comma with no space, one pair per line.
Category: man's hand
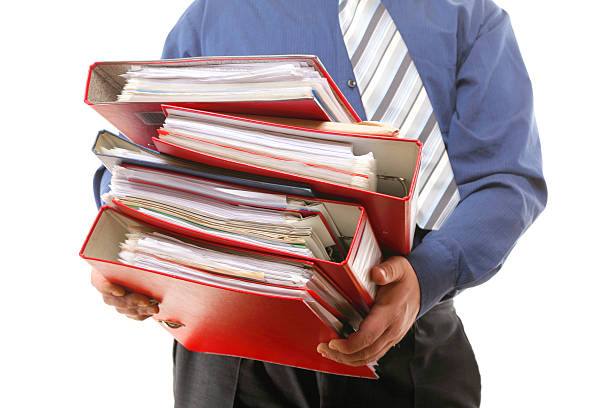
134,305
394,311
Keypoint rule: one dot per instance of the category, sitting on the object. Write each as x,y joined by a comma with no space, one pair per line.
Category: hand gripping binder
392,213
139,120
283,329
350,219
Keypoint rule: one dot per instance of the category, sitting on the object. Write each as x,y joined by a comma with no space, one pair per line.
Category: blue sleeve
184,40
494,150
101,184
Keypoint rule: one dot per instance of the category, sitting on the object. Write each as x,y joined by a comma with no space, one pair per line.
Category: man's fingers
125,310
133,311
137,300
391,270
389,319
374,357
362,357
131,300
373,326
151,310
353,360
113,300
132,303
138,317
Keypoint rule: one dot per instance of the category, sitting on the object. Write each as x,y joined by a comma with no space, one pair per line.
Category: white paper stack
248,216
150,249
231,82
325,160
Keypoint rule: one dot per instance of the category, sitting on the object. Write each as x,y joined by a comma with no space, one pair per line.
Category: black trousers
433,366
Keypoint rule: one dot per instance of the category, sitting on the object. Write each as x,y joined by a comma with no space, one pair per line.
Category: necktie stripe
375,60
432,147
435,157
341,6
422,118
364,11
406,126
429,127
393,88
379,63
437,218
380,40
407,100
393,92
347,15
382,36
415,120
391,59
436,185
402,100
367,35
443,202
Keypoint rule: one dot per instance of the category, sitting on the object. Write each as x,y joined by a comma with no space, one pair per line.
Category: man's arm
494,149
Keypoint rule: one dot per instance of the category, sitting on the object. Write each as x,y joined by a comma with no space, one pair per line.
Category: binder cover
139,120
211,319
393,216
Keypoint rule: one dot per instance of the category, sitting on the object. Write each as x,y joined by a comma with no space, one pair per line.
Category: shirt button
351,83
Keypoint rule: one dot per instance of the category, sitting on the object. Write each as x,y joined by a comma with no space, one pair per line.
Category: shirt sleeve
184,40
494,150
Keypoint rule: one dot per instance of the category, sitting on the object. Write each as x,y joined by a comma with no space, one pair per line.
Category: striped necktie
392,92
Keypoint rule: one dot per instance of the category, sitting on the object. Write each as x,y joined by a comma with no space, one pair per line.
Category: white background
540,328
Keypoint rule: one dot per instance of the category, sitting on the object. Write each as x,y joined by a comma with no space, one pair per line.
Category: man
470,65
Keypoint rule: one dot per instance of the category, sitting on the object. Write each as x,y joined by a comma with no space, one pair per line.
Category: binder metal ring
400,180
171,325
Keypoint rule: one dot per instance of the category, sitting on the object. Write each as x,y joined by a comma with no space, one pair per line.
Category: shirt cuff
435,265
101,184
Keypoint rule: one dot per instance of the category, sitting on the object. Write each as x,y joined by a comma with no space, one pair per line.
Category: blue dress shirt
467,56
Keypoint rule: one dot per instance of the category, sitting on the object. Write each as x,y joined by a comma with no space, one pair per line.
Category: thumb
391,270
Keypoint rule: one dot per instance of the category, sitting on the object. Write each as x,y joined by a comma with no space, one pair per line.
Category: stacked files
357,162
226,300
129,93
381,174
335,236
255,228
